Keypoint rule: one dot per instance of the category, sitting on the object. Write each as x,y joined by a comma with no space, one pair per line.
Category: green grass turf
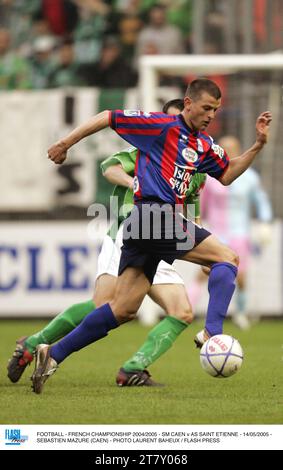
83,390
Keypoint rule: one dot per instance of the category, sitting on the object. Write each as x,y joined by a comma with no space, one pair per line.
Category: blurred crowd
53,43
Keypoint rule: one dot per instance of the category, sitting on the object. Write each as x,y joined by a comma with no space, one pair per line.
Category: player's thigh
104,289
131,288
173,299
211,251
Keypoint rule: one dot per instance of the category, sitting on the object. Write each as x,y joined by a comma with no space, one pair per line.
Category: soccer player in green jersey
167,290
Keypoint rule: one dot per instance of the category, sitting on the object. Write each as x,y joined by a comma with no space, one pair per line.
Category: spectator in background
165,38
42,61
90,30
129,27
61,16
112,70
65,72
14,70
39,27
129,7
17,17
180,13
215,33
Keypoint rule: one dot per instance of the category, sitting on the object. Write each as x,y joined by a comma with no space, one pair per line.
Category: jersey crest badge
189,155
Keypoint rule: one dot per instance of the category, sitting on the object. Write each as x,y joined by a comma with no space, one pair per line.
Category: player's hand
57,153
262,127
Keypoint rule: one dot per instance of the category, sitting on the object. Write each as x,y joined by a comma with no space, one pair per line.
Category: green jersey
127,159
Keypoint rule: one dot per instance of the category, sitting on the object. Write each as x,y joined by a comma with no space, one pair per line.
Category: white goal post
151,65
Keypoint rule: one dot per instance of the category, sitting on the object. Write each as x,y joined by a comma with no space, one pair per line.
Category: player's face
201,111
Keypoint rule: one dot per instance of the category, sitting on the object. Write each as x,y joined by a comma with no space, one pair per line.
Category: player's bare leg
211,251
172,298
223,263
104,289
132,285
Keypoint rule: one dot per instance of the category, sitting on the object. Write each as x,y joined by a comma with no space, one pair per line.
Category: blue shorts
154,231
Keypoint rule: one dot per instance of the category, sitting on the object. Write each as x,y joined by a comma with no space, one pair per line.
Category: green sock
61,325
158,341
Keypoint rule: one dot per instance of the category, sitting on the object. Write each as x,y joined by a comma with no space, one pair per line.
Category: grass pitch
83,390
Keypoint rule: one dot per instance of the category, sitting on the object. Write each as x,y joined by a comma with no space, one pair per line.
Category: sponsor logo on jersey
132,112
145,114
218,150
180,181
189,155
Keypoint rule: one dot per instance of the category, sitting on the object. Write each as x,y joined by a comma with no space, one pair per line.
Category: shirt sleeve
216,161
139,128
125,158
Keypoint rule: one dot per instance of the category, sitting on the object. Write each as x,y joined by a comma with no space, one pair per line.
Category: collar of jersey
181,117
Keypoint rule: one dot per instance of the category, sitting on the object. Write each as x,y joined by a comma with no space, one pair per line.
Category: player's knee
123,313
187,315
101,300
234,258
205,270
229,256
125,316
183,313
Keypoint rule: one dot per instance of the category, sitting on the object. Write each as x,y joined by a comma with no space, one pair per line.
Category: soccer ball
221,356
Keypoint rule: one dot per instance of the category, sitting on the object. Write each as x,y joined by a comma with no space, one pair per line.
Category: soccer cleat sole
40,375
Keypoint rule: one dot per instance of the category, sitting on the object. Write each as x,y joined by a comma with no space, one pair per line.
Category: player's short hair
200,85
177,103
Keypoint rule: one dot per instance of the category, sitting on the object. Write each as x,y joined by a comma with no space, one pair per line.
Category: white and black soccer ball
221,356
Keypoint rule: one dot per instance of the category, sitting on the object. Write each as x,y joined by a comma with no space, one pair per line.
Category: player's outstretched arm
115,174
238,165
58,151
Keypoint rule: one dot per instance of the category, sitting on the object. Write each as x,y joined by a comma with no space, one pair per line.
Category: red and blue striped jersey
170,153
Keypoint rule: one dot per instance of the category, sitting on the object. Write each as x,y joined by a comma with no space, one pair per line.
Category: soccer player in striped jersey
171,150
167,290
